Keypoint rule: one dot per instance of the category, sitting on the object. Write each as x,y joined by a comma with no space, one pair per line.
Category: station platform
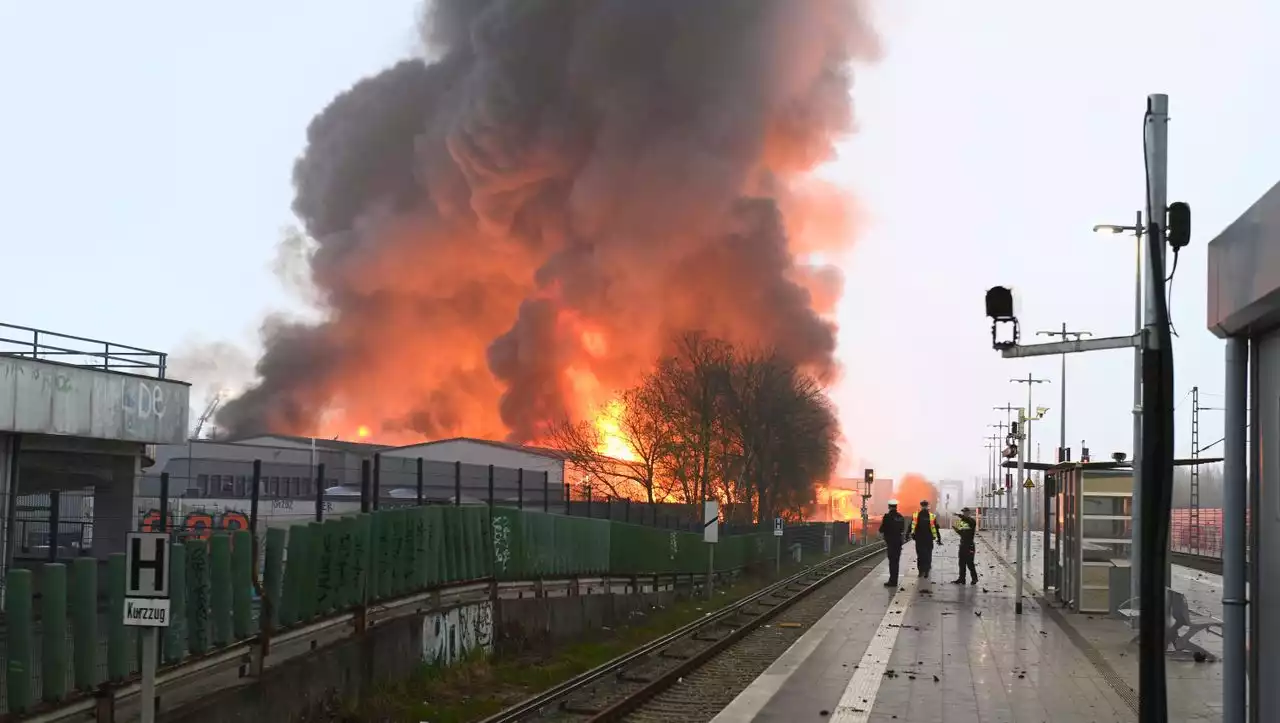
929,650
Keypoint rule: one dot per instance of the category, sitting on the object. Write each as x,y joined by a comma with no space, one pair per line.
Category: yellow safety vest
932,522
960,525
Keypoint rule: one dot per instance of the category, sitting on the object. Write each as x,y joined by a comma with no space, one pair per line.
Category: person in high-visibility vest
966,527
923,528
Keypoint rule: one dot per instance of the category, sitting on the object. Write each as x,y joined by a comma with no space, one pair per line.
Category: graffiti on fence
501,543
449,636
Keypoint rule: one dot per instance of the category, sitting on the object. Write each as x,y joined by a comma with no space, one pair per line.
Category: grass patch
482,686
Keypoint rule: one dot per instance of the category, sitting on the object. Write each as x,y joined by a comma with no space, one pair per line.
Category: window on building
238,489
202,484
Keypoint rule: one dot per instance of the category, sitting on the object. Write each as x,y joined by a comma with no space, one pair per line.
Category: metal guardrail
31,343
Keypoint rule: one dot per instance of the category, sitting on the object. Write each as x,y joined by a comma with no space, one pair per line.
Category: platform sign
146,605
147,565
710,520
146,612
777,527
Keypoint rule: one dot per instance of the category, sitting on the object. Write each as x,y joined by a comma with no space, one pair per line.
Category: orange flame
613,442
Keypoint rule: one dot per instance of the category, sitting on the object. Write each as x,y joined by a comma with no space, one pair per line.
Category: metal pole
255,495
150,660
711,569
319,501
1235,508
1007,496
1024,495
366,479
1022,455
1152,639
1135,539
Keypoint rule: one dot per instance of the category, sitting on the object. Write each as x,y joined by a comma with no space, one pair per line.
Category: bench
1182,624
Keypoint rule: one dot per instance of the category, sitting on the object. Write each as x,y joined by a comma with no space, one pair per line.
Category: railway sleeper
704,638
568,707
674,655
631,678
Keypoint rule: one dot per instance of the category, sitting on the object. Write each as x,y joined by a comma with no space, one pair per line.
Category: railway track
625,684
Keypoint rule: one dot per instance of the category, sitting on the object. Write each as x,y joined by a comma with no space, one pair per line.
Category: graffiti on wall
198,518
197,524
449,636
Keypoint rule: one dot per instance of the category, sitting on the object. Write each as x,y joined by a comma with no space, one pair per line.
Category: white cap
893,503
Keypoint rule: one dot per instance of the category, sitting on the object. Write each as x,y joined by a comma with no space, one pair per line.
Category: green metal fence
312,570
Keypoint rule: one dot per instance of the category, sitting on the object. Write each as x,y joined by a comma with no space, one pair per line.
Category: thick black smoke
522,224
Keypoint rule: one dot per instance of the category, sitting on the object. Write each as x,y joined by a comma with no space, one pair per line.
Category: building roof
527,449
321,443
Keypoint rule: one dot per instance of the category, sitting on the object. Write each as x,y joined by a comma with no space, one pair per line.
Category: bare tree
690,384
640,426
748,428
784,428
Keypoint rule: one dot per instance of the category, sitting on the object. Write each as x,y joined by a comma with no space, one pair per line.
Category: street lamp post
984,491
1008,410
1135,552
1020,437
998,480
1024,494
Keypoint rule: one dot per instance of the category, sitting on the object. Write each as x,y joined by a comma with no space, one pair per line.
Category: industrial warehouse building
211,485
291,466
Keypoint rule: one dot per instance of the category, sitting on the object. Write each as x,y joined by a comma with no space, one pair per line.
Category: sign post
711,535
777,539
146,605
868,478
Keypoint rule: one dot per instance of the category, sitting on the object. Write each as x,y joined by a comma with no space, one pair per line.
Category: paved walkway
929,651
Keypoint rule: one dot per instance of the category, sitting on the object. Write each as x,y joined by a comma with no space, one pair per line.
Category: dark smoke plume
515,230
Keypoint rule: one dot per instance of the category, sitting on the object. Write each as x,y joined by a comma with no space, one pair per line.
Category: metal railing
30,343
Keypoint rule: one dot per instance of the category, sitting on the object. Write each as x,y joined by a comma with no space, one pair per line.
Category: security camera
1118,456
1003,314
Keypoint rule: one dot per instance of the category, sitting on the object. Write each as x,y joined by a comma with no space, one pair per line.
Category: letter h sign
146,565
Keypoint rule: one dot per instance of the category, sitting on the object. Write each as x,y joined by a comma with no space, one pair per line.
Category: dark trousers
967,553
924,555
895,554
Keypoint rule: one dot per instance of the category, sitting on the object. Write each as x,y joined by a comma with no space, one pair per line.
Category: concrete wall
1244,269
47,398
303,689
1265,597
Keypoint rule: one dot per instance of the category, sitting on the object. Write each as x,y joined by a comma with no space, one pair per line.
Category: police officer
966,526
923,528
893,528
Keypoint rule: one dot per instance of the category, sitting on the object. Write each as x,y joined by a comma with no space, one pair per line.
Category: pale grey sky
146,148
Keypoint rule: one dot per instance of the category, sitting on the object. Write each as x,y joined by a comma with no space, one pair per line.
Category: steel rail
829,569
